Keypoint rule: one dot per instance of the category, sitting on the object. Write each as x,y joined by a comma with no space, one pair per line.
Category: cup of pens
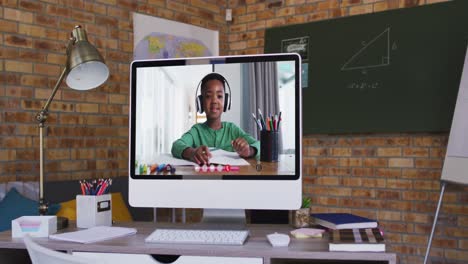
269,135
94,205
269,145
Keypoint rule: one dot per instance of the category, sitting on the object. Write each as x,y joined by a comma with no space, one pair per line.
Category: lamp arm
41,118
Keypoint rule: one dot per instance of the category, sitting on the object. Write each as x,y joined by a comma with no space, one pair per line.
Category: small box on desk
93,210
35,226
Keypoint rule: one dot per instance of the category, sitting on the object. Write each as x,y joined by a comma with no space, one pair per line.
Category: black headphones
209,77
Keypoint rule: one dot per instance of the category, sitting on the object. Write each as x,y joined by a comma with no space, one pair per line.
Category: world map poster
158,38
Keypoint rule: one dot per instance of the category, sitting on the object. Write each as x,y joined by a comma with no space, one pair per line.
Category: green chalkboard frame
392,71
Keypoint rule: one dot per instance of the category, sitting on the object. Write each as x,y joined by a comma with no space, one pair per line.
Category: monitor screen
216,132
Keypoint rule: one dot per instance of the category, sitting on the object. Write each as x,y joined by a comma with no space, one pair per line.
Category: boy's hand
242,147
201,155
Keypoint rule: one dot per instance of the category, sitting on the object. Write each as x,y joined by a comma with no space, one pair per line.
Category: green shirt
201,134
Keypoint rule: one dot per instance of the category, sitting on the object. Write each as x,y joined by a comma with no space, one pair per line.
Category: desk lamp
86,70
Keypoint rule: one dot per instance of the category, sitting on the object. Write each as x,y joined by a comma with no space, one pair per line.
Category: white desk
257,246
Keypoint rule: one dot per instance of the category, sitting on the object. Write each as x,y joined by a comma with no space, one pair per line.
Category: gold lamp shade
86,66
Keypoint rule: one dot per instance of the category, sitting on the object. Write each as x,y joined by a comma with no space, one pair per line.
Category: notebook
94,234
343,221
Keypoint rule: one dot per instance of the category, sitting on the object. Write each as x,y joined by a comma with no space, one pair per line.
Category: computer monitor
216,132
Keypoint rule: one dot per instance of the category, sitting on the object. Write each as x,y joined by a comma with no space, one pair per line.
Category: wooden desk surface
257,246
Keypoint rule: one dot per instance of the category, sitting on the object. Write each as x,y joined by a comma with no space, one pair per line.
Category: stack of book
349,232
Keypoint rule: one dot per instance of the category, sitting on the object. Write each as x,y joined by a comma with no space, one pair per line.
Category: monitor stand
224,219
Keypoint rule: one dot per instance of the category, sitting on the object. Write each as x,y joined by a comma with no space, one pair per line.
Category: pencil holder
269,145
93,210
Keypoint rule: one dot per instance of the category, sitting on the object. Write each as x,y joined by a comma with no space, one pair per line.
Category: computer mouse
278,240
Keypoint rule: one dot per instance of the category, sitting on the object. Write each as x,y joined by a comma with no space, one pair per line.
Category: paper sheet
224,157
94,234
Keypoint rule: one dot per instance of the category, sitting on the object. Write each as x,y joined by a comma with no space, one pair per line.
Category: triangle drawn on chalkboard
375,53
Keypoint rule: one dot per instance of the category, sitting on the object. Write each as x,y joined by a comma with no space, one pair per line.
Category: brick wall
390,177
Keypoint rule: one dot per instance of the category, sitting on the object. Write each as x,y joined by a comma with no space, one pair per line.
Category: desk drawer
116,258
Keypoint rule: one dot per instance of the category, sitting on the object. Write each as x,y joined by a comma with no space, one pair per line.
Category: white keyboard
190,236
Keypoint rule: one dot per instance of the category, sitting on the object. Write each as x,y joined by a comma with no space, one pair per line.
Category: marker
261,119
160,167
82,188
275,122
169,168
279,120
98,187
109,183
254,117
231,168
259,124
102,187
153,168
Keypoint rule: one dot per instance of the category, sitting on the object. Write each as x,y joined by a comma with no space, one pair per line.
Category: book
94,234
343,221
354,240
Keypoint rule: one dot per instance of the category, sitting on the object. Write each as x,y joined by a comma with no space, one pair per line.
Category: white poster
157,38
458,140
456,159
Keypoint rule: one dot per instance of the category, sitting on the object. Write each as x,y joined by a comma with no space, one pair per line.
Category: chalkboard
392,71
456,159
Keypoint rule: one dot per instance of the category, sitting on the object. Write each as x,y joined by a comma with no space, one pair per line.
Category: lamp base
43,207
62,222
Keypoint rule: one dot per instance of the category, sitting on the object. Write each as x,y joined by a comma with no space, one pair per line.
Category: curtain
162,112
261,86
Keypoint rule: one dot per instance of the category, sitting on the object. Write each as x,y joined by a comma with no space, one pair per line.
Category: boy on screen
195,144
